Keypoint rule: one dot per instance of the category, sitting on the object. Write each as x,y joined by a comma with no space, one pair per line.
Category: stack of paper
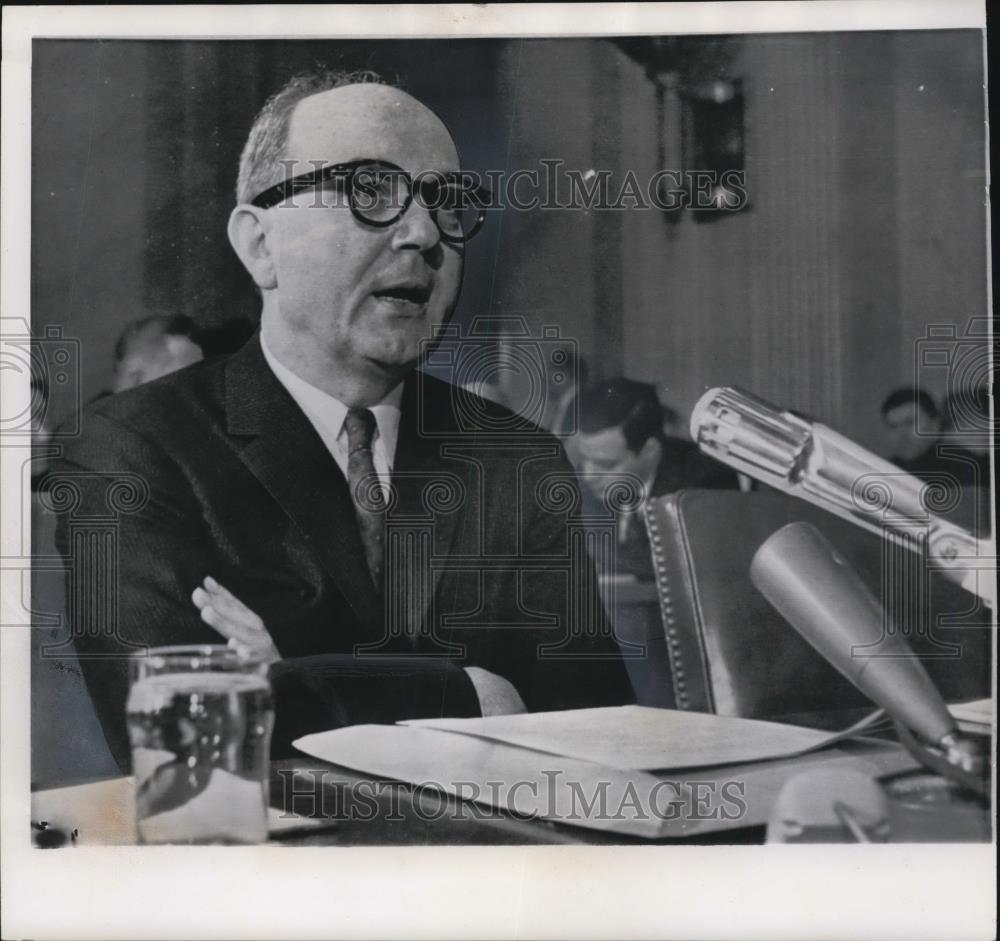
595,768
640,738
975,716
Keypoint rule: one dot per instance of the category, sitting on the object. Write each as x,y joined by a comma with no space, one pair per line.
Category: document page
641,738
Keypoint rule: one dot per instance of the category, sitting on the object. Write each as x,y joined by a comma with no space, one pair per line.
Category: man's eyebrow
314,165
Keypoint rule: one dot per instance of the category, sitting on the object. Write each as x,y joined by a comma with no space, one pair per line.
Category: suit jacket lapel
289,458
433,491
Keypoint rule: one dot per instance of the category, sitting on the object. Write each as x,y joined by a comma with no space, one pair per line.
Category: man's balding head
348,303
368,120
330,111
260,162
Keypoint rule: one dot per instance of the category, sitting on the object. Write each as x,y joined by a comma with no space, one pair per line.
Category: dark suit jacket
215,471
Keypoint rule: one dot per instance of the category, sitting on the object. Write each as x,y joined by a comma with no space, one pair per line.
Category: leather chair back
731,653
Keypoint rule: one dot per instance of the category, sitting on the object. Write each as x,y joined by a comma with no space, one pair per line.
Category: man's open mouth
405,294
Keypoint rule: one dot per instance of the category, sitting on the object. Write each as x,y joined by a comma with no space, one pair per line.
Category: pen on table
850,820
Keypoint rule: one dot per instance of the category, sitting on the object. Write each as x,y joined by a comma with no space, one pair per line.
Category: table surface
319,804
397,814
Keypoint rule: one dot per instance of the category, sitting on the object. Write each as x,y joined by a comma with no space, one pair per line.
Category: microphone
810,461
825,600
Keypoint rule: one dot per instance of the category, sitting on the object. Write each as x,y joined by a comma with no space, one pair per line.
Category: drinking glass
200,722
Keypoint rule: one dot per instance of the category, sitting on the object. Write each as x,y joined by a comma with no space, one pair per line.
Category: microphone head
750,435
825,600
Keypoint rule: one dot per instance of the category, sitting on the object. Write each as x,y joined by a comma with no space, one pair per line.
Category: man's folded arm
136,545
131,541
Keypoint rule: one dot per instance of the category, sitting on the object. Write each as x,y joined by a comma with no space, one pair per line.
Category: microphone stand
957,757
818,593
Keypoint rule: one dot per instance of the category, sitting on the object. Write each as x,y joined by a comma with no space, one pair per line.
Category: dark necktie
366,489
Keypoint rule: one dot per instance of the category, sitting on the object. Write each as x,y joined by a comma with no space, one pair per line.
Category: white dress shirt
497,696
327,414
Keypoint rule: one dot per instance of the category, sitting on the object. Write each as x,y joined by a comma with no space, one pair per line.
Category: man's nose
416,229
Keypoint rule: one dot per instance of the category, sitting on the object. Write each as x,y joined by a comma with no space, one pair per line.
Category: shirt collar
327,413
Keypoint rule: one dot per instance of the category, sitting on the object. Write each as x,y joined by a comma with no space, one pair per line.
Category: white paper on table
641,738
529,783
976,715
580,793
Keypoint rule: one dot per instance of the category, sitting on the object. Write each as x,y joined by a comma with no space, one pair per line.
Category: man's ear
248,234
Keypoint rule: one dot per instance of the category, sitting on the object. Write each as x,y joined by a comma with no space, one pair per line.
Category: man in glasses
315,499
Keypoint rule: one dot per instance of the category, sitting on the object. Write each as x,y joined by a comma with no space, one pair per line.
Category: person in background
917,444
621,436
621,443
153,347
914,427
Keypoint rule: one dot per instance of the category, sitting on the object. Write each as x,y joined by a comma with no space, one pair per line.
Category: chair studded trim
688,668
666,607
732,653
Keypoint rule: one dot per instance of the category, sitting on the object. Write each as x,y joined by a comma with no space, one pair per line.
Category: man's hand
243,629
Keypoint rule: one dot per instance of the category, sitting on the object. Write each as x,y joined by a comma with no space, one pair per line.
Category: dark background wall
865,168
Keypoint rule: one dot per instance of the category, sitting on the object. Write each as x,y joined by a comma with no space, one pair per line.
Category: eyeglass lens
381,195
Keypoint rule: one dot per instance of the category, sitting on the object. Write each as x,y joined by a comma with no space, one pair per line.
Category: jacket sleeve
134,549
135,545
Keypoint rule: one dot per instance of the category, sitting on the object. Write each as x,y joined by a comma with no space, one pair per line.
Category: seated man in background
621,434
316,500
914,427
622,444
153,347
916,443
